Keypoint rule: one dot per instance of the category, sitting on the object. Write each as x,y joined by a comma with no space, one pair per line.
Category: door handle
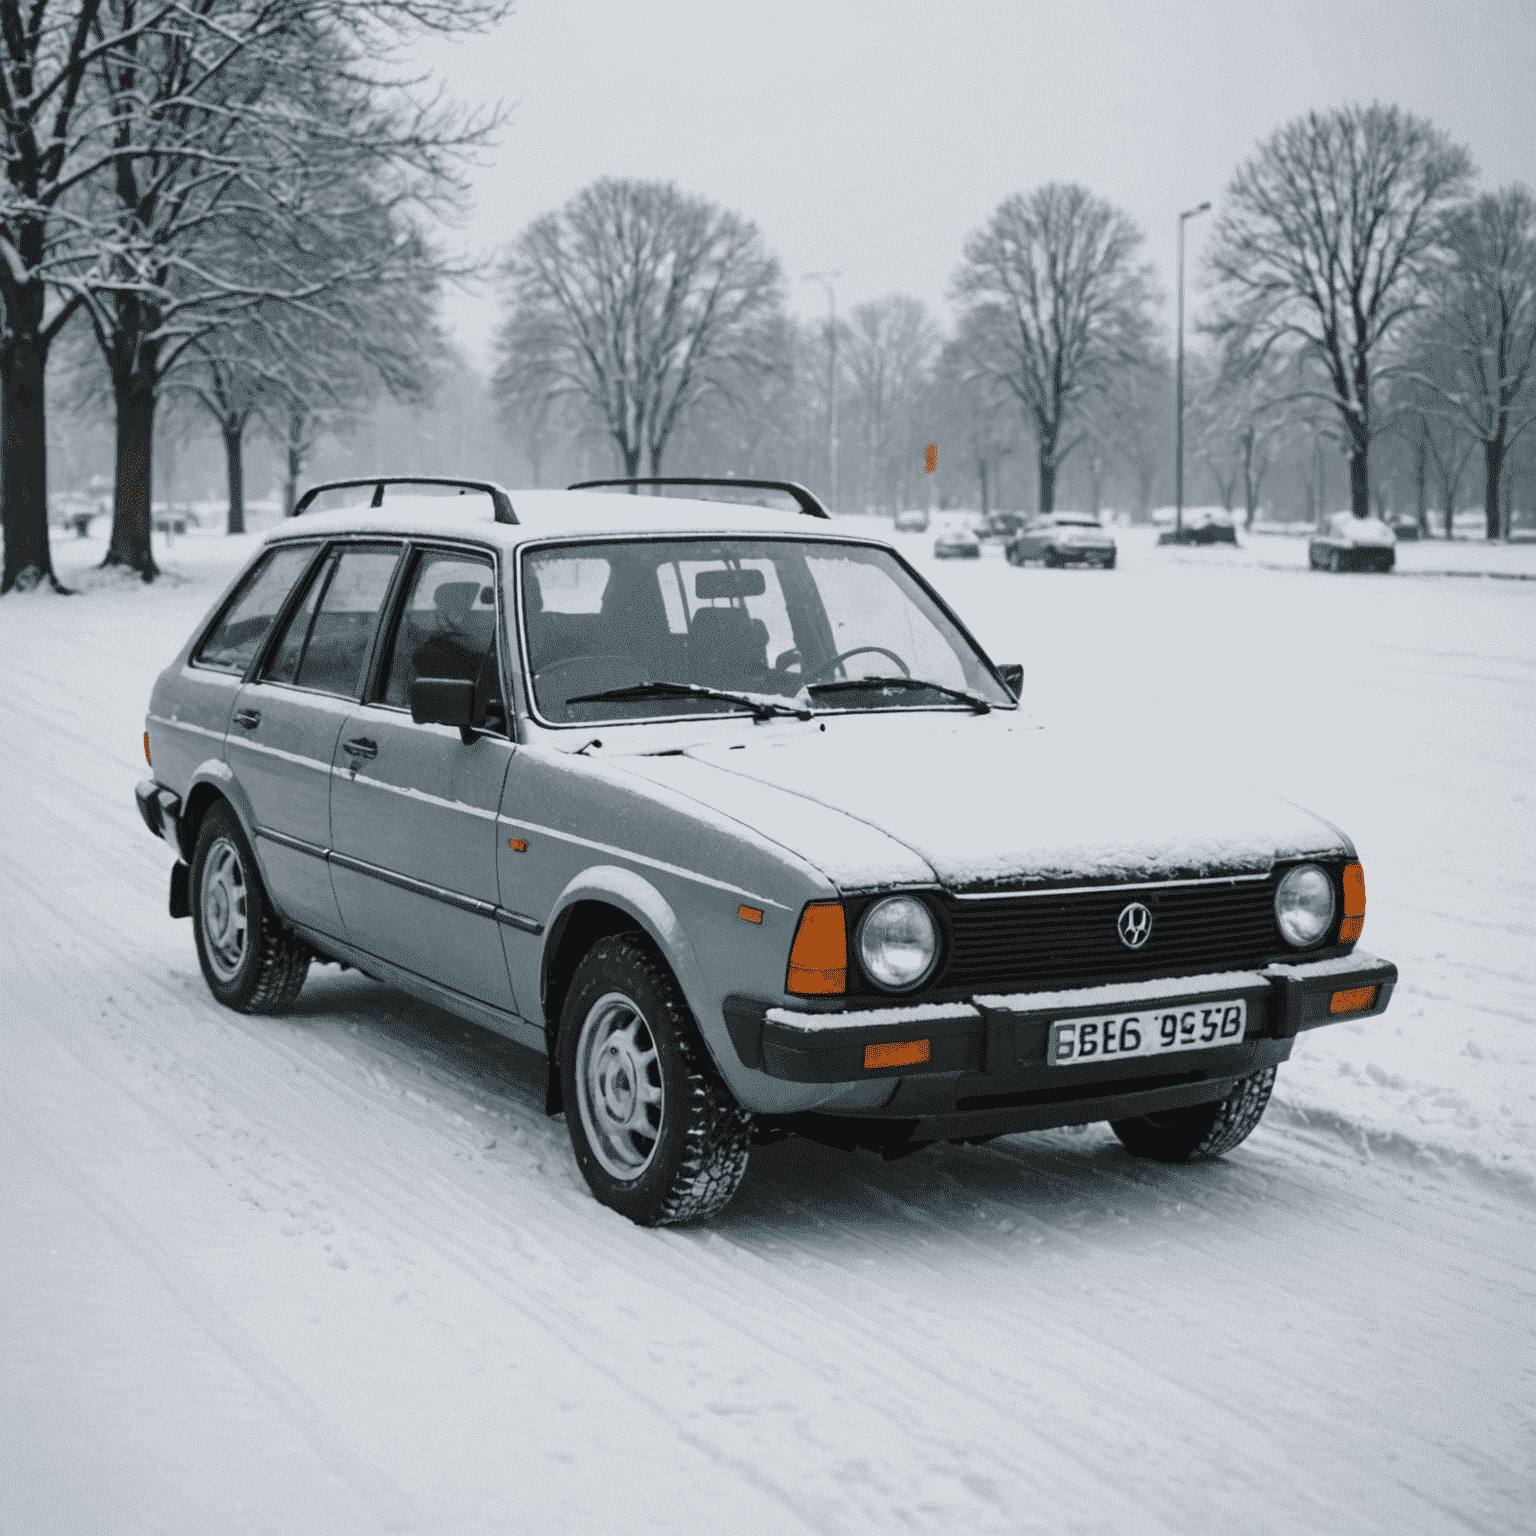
360,747
249,718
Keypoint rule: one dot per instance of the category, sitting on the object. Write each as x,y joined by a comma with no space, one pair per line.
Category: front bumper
986,1069
160,809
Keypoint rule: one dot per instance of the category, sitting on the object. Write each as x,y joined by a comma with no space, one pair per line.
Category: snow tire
266,973
1203,1131
701,1146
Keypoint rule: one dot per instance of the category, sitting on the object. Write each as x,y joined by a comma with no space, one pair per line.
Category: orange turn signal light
147,758
1354,904
518,844
900,1053
818,959
1355,1000
750,914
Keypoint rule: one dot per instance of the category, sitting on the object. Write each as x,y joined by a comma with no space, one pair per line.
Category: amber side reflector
1354,904
1356,1000
901,1053
518,844
147,758
818,959
750,914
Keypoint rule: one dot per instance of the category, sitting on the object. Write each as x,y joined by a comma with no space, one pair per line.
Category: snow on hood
984,804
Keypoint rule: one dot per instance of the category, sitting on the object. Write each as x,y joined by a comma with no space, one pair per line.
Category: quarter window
238,635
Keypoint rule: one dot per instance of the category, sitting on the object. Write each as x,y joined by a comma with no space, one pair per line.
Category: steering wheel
858,650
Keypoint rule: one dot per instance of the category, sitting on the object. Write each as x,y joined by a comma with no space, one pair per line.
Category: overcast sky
873,138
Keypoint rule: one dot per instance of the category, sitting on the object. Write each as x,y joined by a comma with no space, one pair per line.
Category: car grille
1071,939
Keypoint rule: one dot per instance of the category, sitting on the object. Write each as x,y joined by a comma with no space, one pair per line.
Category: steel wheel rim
223,907
619,1086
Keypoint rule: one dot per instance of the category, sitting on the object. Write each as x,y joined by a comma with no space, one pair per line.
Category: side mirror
1013,675
444,701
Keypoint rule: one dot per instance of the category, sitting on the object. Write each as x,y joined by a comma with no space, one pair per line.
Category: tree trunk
1360,480
132,505
234,466
1047,482
1493,460
981,474
24,484
1421,484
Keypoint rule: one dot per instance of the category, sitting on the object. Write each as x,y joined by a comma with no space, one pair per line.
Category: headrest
454,599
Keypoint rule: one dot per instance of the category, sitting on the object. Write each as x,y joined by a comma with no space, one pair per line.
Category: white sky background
875,137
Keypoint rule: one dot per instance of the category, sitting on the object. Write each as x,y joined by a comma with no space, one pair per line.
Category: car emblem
1135,925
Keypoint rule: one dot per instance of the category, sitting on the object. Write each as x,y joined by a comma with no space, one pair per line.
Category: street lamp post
1178,388
828,281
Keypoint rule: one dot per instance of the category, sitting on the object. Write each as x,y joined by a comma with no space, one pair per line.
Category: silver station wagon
722,809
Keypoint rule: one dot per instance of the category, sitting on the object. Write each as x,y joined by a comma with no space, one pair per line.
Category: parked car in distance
1063,538
1202,525
1405,525
915,521
957,544
1000,525
1353,543
612,776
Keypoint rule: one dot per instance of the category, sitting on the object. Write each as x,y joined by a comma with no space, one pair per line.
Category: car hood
984,804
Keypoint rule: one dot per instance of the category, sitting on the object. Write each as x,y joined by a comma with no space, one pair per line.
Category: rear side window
326,643
238,635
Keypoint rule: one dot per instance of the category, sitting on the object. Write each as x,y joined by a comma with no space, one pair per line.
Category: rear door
413,807
286,721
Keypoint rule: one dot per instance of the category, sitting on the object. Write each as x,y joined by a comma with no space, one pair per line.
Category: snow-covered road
338,1272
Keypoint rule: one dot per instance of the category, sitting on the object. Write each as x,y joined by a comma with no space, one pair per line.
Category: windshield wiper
762,707
914,684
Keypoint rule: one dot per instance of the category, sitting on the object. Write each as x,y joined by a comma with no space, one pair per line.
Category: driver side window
447,628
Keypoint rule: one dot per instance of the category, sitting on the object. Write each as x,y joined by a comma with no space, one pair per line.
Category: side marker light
900,1053
1355,1000
147,758
1354,904
750,914
518,844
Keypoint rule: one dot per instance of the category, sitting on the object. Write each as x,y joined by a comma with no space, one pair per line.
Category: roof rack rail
804,499
501,502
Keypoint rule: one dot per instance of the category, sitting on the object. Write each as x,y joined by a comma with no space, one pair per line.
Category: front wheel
1203,1130
656,1132
251,960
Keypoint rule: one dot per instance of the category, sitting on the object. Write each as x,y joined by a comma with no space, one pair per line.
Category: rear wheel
657,1134
1050,558
251,960
1202,1131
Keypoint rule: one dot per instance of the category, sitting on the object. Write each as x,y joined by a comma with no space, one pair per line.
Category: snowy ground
337,1272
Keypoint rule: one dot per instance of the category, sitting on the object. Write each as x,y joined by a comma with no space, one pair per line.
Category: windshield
763,618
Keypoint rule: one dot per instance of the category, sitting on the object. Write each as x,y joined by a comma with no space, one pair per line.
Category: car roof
543,514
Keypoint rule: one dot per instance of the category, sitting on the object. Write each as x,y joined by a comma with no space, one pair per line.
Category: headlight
898,943
1304,905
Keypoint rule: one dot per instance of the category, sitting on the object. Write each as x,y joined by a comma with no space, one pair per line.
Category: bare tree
1323,248
1241,420
977,416
1056,302
643,302
51,124
126,119
889,347
1483,331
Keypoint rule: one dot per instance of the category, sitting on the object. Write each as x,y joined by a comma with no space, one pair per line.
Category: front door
413,807
282,734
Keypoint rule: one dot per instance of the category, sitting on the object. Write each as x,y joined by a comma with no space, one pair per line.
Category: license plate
1151,1032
